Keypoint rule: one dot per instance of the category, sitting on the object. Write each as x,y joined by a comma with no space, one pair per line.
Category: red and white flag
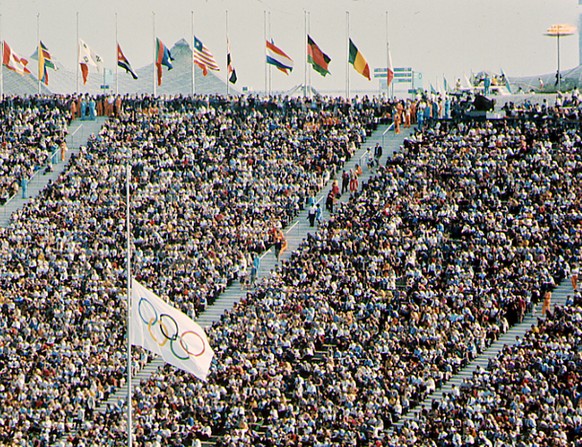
390,71
88,57
13,61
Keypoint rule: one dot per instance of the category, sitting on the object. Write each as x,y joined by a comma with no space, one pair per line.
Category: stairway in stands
79,132
295,233
516,332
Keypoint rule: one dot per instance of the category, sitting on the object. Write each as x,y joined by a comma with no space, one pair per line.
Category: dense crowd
531,395
448,245
32,129
200,202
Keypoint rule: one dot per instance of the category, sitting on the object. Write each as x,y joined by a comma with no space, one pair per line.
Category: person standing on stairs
547,302
345,181
312,215
574,278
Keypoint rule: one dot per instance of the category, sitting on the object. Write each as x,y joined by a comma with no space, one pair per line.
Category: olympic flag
164,330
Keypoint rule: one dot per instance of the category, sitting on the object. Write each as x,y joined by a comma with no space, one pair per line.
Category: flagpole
305,64
265,36
309,32
387,57
154,34
38,49
78,61
129,362
348,54
117,56
269,31
192,61
1,62
227,52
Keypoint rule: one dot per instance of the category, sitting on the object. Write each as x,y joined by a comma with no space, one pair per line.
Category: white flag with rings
164,330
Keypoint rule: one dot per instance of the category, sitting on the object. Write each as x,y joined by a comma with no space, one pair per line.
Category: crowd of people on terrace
452,241
32,129
531,395
209,181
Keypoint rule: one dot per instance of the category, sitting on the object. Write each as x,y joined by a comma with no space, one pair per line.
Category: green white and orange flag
166,331
317,58
359,62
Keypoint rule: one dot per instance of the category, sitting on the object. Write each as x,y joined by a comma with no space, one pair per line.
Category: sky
439,38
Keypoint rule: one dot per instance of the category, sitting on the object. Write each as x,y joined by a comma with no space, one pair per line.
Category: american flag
204,58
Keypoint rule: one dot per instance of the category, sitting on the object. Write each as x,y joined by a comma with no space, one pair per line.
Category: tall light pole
558,31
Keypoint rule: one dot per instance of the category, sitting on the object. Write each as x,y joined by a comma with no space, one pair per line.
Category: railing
390,127
362,162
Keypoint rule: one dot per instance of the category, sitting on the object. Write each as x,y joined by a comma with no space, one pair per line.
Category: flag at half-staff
163,57
317,58
45,61
13,61
166,331
358,61
203,57
277,57
124,63
229,66
87,58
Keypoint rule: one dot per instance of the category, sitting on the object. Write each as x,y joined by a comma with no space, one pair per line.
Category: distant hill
174,82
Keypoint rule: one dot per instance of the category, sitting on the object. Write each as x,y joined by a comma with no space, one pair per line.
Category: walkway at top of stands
79,132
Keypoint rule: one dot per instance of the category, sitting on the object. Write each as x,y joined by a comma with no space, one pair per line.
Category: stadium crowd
449,244
531,395
198,198
32,129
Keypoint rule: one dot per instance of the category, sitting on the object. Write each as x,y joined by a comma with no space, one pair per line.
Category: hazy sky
435,37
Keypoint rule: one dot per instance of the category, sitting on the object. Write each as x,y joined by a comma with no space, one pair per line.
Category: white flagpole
129,360
192,61
38,49
154,34
348,55
269,34
78,49
265,39
305,62
387,57
309,32
116,56
227,54
1,61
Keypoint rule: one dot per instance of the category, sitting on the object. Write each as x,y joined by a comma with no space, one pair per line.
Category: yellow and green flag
359,62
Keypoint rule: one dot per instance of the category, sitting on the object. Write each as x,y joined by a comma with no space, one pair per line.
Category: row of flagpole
353,56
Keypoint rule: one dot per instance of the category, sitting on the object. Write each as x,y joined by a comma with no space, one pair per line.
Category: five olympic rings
169,331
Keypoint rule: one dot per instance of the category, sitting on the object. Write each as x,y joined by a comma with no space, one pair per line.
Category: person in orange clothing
547,303
74,109
574,278
354,183
407,114
398,117
413,112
